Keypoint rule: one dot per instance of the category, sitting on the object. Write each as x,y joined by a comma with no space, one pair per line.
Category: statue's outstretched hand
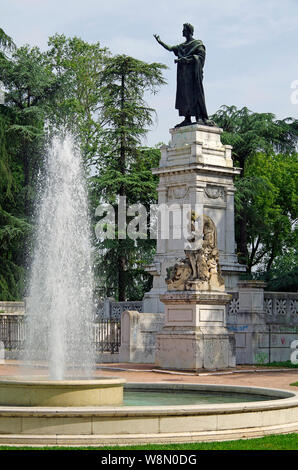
156,37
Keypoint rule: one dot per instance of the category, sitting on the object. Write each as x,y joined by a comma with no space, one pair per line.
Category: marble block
195,170
194,335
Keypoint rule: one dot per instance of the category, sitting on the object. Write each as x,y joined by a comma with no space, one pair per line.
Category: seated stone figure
178,275
200,270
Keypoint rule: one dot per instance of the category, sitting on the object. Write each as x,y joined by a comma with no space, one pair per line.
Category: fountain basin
38,391
119,425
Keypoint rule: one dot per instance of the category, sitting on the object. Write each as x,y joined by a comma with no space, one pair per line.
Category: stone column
196,169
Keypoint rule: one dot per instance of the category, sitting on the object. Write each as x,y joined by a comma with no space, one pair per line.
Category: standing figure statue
190,98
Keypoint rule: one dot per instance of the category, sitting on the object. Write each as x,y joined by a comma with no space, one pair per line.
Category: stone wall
265,323
138,336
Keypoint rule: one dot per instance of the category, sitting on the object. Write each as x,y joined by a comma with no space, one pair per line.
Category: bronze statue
190,98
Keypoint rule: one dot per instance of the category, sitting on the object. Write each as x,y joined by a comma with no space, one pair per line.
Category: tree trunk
242,241
26,180
122,168
121,275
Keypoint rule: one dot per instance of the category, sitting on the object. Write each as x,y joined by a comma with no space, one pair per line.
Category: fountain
59,306
70,406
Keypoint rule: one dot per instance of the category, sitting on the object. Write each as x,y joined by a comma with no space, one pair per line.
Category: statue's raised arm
169,48
190,98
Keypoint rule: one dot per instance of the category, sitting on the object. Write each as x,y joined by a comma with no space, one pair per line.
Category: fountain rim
59,383
281,399
123,425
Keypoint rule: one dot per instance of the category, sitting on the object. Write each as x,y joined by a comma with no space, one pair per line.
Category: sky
252,53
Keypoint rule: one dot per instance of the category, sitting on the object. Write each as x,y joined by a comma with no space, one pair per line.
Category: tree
30,85
13,227
119,167
267,197
6,43
250,133
78,66
141,189
283,275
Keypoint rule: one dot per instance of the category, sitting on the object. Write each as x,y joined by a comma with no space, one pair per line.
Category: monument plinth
195,169
194,335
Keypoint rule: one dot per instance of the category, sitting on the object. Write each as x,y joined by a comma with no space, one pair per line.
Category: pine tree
127,118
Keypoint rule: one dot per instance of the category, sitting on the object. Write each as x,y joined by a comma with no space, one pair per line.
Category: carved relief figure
200,270
178,275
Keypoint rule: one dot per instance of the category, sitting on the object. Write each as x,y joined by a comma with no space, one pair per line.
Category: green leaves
77,107
266,197
126,115
13,231
30,86
6,43
124,167
250,132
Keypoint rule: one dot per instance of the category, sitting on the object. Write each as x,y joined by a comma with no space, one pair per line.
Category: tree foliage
80,87
6,43
29,86
123,168
73,86
266,150
267,197
78,66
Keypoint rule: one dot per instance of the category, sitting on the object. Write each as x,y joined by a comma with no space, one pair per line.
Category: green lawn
274,442
281,365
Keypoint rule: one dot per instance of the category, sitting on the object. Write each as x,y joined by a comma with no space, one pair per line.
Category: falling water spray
59,306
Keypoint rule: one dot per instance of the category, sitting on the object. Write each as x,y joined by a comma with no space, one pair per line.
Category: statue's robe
190,98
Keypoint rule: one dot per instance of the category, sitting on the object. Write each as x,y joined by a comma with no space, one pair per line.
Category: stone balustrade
264,323
12,308
110,309
279,307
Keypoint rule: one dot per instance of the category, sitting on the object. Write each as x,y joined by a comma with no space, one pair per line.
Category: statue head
188,29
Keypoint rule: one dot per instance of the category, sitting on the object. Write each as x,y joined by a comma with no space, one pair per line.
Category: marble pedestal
195,169
194,335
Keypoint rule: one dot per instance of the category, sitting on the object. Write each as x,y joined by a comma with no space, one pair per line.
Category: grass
273,442
295,384
285,364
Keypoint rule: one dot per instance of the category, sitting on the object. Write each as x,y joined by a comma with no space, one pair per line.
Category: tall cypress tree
128,118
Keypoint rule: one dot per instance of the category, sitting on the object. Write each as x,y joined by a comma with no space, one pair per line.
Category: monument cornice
196,168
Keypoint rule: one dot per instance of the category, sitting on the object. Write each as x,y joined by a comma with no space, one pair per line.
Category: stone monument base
194,335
